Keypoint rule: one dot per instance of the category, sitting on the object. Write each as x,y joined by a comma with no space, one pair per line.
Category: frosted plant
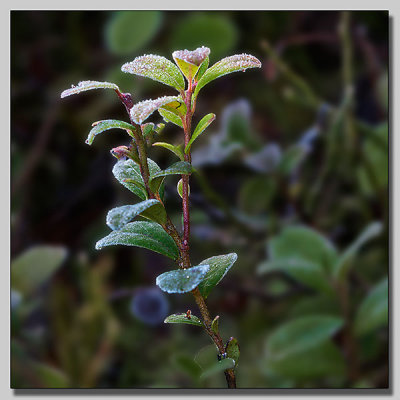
145,179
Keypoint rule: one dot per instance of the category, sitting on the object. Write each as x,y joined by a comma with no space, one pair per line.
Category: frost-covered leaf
190,61
183,319
170,117
88,85
219,366
344,262
305,244
177,150
301,334
140,111
145,234
182,280
120,216
373,311
219,266
179,168
238,62
232,349
200,128
304,271
35,266
101,126
203,68
157,68
127,172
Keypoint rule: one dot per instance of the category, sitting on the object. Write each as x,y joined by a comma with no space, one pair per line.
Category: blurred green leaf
35,266
170,117
182,280
120,216
315,304
373,311
129,31
256,194
301,334
219,266
323,360
219,366
183,319
305,244
101,126
306,272
232,350
177,150
291,159
187,365
179,168
206,356
158,68
149,235
345,260
200,128
48,376
199,29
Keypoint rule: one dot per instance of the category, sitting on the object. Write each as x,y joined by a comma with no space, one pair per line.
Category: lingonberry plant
144,178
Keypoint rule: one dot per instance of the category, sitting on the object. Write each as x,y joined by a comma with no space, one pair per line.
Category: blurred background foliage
293,176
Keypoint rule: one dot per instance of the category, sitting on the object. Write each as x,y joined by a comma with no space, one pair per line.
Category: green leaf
323,360
305,244
345,260
182,280
183,319
301,334
48,376
306,272
238,62
187,365
215,325
127,172
177,150
35,266
203,68
190,61
170,117
88,85
179,188
291,159
142,110
157,68
179,168
219,366
126,25
219,266
120,216
145,234
232,350
200,128
101,126
373,311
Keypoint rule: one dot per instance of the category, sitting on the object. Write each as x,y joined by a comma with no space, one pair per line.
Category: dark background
292,145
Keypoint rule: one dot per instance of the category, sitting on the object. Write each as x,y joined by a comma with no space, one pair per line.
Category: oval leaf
101,126
35,266
179,188
88,85
301,334
183,319
118,217
142,234
232,349
200,128
226,363
182,280
179,168
157,68
219,266
215,325
142,110
177,150
170,117
373,311
238,62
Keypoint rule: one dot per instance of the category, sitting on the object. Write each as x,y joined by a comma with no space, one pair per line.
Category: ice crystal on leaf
195,57
88,85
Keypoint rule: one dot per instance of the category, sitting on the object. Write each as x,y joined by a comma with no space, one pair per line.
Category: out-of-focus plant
145,179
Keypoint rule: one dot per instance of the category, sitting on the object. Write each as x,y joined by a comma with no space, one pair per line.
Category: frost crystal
195,57
141,111
157,68
88,85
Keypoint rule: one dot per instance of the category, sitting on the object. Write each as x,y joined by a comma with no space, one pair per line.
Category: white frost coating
140,111
88,85
157,68
195,57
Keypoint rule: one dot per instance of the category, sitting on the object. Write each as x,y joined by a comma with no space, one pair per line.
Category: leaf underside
105,125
